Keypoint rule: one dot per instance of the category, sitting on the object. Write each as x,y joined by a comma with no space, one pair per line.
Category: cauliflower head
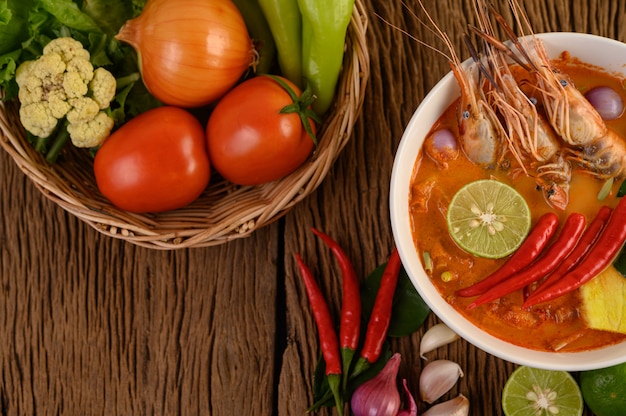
62,83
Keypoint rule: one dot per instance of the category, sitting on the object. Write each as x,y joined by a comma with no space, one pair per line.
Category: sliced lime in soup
535,392
488,218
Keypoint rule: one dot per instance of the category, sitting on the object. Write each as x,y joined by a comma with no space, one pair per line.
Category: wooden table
91,325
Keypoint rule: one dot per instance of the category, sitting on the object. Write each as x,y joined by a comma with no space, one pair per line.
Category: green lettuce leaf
109,15
69,14
14,28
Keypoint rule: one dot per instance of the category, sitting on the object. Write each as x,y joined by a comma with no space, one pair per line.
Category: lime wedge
534,392
488,218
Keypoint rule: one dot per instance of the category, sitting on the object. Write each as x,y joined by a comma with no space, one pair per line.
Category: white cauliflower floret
67,47
62,83
77,77
91,133
83,110
102,87
38,119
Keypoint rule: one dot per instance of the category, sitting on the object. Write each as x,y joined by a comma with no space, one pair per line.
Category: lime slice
488,218
534,392
604,390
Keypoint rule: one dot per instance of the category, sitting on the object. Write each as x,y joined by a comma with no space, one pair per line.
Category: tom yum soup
514,200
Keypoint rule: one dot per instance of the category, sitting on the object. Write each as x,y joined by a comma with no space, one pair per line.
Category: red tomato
155,162
249,140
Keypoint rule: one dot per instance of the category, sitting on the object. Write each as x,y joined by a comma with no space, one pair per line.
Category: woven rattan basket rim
224,212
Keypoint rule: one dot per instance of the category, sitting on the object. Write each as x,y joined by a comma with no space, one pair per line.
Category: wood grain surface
91,325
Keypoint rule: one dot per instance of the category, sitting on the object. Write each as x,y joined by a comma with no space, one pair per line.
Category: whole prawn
597,148
481,133
532,140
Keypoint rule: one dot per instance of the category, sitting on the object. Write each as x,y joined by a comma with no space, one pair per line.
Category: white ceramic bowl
602,52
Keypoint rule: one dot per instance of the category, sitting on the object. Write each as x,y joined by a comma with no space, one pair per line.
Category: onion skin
190,52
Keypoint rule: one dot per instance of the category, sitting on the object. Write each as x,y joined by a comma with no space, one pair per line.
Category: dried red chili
598,258
548,262
587,240
350,322
530,249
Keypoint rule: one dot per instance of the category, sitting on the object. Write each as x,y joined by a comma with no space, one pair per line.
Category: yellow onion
190,52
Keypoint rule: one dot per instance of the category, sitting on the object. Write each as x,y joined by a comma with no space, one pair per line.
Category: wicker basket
224,211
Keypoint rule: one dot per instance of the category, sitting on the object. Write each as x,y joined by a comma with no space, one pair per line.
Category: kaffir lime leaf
535,392
488,218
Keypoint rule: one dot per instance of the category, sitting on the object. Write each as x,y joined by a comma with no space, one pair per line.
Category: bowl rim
428,111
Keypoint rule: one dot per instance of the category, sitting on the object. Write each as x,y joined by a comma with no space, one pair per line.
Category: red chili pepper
381,312
568,238
587,240
530,249
597,259
326,331
323,319
350,323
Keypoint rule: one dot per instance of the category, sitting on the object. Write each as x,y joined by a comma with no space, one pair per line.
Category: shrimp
532,140
481,134
598,149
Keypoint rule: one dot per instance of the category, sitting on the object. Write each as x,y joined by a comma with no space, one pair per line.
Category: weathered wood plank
91,325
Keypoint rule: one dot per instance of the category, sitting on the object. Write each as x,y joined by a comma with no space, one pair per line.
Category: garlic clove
437,336
437,378
459,406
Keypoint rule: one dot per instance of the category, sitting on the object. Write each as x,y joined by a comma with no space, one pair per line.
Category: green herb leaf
620,262
321,389
409,310
622,190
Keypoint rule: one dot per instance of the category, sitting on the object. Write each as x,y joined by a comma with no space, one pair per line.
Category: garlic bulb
437,378
437,336
459,406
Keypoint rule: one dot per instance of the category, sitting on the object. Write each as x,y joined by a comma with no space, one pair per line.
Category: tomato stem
300,105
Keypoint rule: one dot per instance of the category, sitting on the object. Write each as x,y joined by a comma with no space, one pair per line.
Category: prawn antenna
409,35
502,47
479,63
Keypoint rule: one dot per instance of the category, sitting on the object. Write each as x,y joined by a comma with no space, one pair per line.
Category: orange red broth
557,325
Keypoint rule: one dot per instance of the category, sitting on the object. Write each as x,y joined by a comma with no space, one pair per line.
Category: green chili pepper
324,26
260,33
285,22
